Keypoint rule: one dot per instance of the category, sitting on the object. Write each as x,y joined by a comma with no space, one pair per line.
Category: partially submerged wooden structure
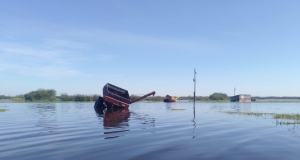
114,96
241,98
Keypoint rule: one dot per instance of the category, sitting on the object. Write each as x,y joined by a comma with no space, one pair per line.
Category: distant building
241,98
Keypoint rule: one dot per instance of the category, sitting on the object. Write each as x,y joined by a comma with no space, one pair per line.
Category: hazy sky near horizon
77,46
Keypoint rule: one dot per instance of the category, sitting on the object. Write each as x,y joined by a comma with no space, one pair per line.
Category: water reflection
169,105
174,106
292,129
234,107
116,118
116,121
241,107
147,131
46,116
194,122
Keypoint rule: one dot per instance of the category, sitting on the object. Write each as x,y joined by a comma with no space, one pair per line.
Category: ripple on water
146,131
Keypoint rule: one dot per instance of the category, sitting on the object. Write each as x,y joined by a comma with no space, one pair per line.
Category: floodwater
61,131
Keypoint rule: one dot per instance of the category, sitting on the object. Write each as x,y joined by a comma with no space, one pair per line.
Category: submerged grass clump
295,117
287,123
287,116
177,109
258,114
3,110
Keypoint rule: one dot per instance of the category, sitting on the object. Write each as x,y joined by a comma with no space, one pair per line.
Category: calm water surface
146,131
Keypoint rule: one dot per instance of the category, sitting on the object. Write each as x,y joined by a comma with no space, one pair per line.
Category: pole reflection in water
194,122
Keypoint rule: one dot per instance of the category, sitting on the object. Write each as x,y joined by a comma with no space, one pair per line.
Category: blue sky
77,46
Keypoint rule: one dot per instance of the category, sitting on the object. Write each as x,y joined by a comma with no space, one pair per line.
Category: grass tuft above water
250,113
275,115
177,109
287,116
3,110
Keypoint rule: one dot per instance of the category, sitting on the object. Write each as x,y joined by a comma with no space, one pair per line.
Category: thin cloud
113,75
29,52
64,43
46,71
105,57
132,39
51,72
36,61
44,60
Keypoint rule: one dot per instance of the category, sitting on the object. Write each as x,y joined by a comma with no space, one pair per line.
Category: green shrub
219,96
41,95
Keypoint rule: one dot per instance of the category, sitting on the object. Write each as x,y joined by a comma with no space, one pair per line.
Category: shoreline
147,101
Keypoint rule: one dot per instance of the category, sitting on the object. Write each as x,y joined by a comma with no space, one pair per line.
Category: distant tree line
5,97
77,97
50,95
219,96
213,97
41,95
272,97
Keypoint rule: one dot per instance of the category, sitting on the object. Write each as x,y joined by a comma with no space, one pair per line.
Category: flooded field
149,131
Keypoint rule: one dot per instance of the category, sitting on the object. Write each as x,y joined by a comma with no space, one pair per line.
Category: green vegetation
151,98
276,99
77,97
49,95
4,97
133,97
287,116
177,109
3,110
41,95
155,98
219,96
191,98
295,98
258,114
295,117
18,98
187,98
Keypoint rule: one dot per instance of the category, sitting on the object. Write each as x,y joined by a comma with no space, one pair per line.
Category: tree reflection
46,116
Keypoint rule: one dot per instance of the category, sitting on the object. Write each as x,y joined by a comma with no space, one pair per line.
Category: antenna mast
234,91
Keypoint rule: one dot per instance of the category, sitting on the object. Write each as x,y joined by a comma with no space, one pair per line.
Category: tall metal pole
195,85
